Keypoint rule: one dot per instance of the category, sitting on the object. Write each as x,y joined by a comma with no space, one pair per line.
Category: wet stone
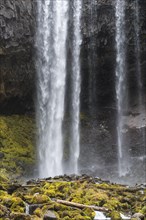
138,216
50,216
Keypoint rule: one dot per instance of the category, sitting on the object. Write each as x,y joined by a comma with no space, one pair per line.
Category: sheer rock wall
17,72
17,36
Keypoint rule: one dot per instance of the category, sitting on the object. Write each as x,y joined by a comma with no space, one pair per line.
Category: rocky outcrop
99,52
98,56
17,72
70,197
16,60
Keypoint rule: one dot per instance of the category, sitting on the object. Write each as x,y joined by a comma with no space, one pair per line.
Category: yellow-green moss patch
17,141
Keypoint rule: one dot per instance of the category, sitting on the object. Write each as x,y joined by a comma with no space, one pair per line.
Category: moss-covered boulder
61,195
17,141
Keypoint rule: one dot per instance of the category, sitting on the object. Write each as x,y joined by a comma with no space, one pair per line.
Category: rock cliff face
16,60
98,28
17,72
98,55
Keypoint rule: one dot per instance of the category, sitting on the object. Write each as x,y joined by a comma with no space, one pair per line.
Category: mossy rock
35,190
113,204
38,212
118,199
18,205
40,199
89,212
58,189
3,176
17,144
143,210
115,215
60,207
20,216
3,211
6,200
71,213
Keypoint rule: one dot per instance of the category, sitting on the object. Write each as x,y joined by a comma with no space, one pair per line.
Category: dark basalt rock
17,74
98,60
50,216
138,216
99,53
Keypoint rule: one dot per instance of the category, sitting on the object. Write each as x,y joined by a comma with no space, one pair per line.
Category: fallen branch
81,206
25,186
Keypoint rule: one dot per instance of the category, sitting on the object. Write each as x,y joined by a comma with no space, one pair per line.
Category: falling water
75,137
92,57
100,216
120,83
138,72
51,69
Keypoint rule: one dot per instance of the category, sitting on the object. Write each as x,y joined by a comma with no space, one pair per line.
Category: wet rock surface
17,74
98,53
17,41
98,132
45,195
98,155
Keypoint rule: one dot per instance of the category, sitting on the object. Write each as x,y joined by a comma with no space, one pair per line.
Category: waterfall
121,85
51,69
51,64
140,98
75,137
92,56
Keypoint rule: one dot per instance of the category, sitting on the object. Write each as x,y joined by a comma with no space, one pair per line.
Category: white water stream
141,108
121,85
92,56
51,68
51,64
76,80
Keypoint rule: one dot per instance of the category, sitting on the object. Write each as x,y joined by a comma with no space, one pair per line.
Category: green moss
3,176
17,201
38,199
17,209
72,214
89,212
48,206
60,207
143,210
66,218
2,193
15,204
35,190
57,189
17,143
115,215
6,200
113,204
34,217
38,212
3,210
19,216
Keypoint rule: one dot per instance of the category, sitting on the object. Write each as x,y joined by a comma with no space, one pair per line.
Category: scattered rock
3,210
18,216
138,216
33,207
40,199
50,216
2,155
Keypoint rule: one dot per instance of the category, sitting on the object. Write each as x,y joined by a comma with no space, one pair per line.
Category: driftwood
81,206
25,186
124,189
